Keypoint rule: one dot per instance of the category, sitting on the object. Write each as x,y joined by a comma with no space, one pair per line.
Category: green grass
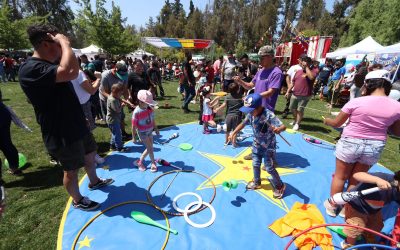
36,201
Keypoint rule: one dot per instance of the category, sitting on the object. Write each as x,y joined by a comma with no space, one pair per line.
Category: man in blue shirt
336,80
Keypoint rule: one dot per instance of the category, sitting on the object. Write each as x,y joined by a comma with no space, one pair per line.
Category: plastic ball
21,159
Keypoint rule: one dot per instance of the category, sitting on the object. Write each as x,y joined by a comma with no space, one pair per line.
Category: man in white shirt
289,77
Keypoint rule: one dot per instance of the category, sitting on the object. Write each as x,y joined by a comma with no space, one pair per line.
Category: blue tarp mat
242,218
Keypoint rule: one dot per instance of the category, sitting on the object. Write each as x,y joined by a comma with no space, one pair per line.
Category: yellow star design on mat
241,170
85,242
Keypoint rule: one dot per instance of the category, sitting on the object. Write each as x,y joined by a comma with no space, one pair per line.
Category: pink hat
146,97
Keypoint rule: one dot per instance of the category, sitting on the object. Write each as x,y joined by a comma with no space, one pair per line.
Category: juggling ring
175,171
199,202
118,205
207,224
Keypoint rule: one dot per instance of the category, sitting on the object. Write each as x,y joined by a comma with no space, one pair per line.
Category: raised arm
68,68
339,120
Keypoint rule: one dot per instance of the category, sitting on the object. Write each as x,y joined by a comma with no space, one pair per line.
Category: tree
369,18
106,29
13,32
289,12
191,8
195,25
311,13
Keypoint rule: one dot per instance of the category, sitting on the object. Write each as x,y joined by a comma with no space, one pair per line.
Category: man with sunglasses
266,82
119,74
46,80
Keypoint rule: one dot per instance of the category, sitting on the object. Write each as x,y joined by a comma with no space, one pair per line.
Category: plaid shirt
264,137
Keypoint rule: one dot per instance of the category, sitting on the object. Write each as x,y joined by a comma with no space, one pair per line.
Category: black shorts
232,121
72,156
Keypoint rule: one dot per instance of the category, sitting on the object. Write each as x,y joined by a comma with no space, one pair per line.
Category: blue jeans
260,153
190,93
3,75
116,135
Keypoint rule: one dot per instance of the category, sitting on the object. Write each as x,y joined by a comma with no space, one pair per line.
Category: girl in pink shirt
143,122
364,137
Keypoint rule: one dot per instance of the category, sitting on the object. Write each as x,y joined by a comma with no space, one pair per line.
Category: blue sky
139,11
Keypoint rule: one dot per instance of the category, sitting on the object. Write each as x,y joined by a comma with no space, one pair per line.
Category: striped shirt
143,119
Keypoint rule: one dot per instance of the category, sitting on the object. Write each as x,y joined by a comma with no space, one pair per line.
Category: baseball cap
266,50
378,74
121,71
251,102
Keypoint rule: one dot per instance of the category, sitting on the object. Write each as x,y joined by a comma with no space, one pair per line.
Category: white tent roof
139,53
92,49
395,48
365,46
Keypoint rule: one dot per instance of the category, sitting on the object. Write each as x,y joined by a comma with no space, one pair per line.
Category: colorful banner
178,43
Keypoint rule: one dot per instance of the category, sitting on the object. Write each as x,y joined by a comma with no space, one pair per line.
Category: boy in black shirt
47,85
365,210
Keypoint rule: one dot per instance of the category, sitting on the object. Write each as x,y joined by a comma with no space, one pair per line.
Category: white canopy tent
139,53
368,45
395,48
90,51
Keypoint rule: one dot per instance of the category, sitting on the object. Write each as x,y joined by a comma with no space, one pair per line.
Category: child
143,122
233,102
113,117
365,211
200,83
264,124
208,117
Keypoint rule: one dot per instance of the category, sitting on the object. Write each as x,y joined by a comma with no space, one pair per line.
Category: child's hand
382,184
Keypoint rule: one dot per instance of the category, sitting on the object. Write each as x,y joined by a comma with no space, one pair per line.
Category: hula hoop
118,205
199,202
338,224
196,225
370,245
149,199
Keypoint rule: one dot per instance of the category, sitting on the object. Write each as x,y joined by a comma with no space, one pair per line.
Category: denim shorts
145,134
365,151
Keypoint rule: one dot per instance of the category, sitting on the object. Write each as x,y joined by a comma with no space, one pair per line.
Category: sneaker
278,193
86,204
113,148
153,167
329,209
101,183
342,213
140,165
123,150
253,185
219,128
15,172
296,127
248,157
292,123
193,101
98,159
345,245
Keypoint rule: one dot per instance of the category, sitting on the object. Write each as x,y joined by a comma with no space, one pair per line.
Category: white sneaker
224,127
193,101
296,127
342,213
219,128
98,159
329,209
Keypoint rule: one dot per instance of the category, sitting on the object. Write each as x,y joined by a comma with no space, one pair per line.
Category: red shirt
210,74
302,85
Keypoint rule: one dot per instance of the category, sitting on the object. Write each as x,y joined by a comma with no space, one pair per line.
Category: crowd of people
56,82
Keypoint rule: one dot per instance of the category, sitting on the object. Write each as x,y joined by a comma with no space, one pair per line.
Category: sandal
153,167
139,164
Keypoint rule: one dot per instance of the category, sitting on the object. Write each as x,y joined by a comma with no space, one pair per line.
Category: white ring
199,202
211,221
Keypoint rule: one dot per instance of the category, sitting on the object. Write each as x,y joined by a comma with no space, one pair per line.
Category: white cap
378,74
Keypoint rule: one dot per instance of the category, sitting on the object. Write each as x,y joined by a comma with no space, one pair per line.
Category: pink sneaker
139,164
